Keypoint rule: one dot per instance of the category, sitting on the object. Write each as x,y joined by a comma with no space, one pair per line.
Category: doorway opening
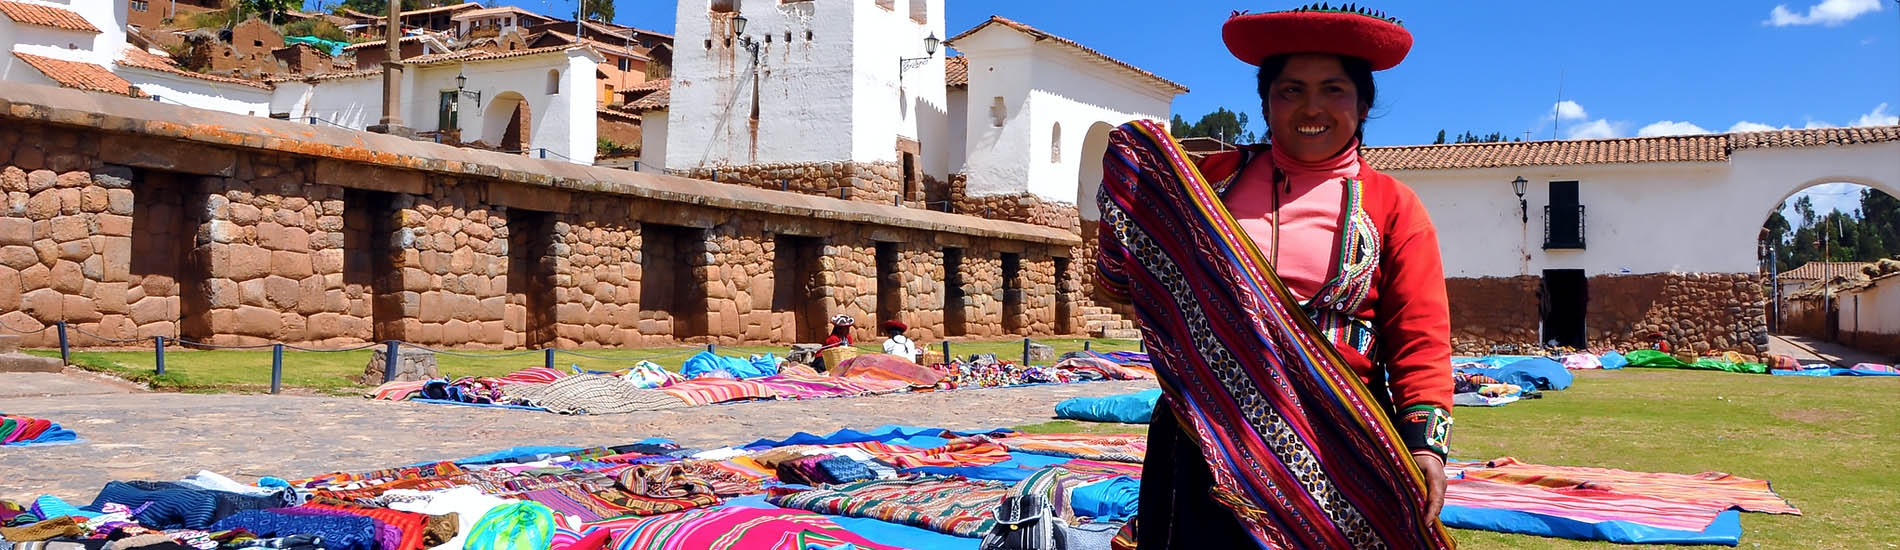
669,283
369,259
1565,300
165,262
531,274
955,320
796,287
1065,298
1012,293
890,283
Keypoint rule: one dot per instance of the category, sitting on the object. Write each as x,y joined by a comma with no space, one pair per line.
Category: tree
268,10
597,10
1226,125
1880,214
1178,126
1441,138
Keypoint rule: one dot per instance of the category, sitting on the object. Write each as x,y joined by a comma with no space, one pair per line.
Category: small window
554,82
626,64
138,5
998,112
920,11
788,37
887,4
724,6
807,36
257,43
1055,144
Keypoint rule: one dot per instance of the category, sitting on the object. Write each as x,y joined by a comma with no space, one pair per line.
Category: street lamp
738,28
930,52
461,83
1517,185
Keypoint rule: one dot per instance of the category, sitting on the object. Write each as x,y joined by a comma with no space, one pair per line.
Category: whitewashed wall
1077,94
49,42
653,130
997,157
830,97
1639,218
957,131
1874,310
200,93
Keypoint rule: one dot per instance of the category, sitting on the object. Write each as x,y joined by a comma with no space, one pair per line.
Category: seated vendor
898,344
840,331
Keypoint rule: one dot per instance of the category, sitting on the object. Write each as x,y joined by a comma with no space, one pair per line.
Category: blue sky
1626,68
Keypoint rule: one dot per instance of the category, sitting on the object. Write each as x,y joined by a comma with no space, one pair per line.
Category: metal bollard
548,358
389,361
65,349
1025,352
158,345
1142,345
947,357
712,349
1085,345
276,368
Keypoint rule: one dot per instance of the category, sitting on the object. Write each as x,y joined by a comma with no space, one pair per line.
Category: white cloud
1813,124
1670,128
1746,126
1877,118
1869,41
1595,129
1832,13
1567,110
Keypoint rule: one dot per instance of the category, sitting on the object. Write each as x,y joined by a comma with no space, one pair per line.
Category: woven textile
338,532
1715,490
1590,505
955,506
596,394
736,529
1301,451
22,430
975,450
706,391
1117,448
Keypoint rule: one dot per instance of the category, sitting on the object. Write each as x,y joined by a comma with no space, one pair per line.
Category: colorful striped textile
23,430
1085,466
1118,448
1713,490
1582,504
791,385
735,529
1300,450
946,505
706,391
399,390
969,451
536,375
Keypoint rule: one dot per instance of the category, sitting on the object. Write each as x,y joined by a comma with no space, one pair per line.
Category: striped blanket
733,529
1590,505
971,451
706,391
1117,448
1301,451
946,505
1712,490
24,430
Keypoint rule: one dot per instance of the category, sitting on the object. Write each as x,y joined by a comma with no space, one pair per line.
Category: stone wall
1699,312
240,238
879,182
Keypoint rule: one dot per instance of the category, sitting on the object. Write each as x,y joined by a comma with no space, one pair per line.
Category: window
554,81
1563,217
998,112
920,11
626,64
724,6
1055,144
138,5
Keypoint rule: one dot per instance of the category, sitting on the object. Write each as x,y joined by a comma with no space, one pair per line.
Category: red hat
896,324
1351,30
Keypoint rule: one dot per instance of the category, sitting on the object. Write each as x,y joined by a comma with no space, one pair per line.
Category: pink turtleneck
1309,204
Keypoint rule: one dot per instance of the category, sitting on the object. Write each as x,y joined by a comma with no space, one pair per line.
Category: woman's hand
1434,470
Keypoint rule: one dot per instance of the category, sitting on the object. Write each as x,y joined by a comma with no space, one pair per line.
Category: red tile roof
1695,148
46,16
1040,35
81,76
651,85
1822,271
956,72
652,102
464,56
138,58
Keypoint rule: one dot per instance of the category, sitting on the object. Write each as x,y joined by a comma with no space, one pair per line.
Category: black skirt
1177,510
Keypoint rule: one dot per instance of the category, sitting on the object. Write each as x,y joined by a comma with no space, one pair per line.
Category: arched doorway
1089,178
1824,231
507,123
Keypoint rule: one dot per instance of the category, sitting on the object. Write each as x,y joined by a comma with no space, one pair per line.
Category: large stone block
43,205
19,257
9,289
112,225
66,276
254,321
45,303
245,263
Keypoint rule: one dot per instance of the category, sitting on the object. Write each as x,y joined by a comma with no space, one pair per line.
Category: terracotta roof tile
956,72
1815,137
497,10
405,13
657,84
80,76
1695,148
652,102
138,58
464,56
46,16
1040,35
1822,271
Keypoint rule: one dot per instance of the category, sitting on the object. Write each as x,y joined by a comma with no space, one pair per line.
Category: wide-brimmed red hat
896,324
1351,30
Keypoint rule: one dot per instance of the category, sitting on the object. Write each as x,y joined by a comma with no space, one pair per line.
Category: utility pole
391,123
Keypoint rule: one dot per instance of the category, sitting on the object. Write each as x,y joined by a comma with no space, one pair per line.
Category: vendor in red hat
1355,246
898,344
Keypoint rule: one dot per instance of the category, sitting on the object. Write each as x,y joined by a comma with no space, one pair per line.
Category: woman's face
1313,108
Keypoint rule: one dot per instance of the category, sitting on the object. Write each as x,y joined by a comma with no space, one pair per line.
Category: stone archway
1089,177
508,123
1793,307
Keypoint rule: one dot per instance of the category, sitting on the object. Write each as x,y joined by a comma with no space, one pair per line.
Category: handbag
1026,522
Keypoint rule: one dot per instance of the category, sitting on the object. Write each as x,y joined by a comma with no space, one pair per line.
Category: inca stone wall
228,237
880,182
1699,312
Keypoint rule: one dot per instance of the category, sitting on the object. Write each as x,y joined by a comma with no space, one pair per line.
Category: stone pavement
164,436
1812,350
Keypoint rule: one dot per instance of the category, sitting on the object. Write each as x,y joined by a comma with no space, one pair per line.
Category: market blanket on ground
1862,369
1655,359
1541,373
25,430
1128,408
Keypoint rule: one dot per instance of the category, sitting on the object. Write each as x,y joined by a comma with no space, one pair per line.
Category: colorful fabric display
1715,490
737,529
945,505
168,507
338,532
592,394
975,450
646,375
22,430
515,526
1119,448
706,391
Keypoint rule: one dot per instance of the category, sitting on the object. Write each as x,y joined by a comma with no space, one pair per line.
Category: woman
897,344
840,332
1318,410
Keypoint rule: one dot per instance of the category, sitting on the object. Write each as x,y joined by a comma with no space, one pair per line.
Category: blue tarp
885,434
1725,530
329,46
1540,373
1614,360
1832,371
706,362
1131,408
1112,499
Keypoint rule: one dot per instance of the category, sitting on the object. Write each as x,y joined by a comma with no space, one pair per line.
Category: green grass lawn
1827,444
249,370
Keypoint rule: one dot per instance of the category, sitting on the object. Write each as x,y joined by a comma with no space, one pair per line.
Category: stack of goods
1729,362
986,371
26,430
1500,379
1477,390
